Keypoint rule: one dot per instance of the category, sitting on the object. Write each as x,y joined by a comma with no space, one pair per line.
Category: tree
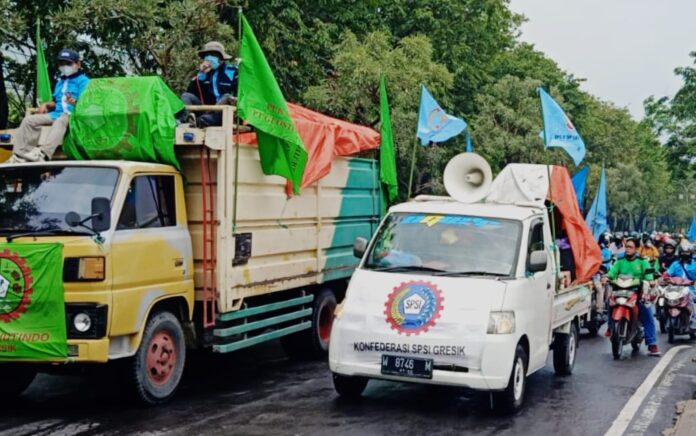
352,92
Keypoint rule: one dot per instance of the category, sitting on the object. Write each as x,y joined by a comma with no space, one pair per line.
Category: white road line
618,427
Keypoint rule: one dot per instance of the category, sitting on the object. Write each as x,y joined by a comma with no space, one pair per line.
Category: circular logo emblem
104,117
413,307
15,286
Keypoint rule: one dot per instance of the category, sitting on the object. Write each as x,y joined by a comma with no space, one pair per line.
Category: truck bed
295,242
571,302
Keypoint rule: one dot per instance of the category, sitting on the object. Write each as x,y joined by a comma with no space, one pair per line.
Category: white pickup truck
465,294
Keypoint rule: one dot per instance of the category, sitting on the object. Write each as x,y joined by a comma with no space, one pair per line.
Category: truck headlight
82,322
84,269
501,323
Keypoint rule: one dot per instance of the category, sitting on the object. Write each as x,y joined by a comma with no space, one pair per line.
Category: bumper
493,375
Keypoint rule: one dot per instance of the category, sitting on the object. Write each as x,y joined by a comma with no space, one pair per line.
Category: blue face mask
214,61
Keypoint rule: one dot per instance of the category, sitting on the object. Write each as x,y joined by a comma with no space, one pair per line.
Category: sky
626,50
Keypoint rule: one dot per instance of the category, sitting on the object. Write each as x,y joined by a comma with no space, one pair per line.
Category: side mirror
537,261
72,219
101,214
359,247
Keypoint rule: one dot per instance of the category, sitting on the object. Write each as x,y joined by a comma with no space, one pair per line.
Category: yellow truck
157,262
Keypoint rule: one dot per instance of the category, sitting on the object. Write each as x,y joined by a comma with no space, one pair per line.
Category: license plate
407,366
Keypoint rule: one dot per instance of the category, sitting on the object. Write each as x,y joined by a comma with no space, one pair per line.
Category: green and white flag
261,104
43,82
32,305
387,160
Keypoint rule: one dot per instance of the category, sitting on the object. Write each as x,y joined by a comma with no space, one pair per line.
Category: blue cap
67,54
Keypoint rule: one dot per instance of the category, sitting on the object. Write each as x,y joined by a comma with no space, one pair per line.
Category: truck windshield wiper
470,273
402,268
47,232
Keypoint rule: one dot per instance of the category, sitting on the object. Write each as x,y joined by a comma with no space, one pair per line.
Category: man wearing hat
215,83
56,113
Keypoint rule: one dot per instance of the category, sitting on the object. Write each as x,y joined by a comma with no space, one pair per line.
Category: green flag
32,306
387,160
261,104
43,83
129,118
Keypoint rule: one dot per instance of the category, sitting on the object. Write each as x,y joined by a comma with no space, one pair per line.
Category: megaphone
467,177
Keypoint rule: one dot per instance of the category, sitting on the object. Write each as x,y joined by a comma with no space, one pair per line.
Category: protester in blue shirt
685,268
67,92
215,83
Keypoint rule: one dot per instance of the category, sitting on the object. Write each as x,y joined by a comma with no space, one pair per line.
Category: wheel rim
518,379
326,319
161,358
571,349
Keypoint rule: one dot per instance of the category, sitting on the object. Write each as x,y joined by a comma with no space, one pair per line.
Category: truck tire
158,365
16,378
313,343
510,400
564,351
348,387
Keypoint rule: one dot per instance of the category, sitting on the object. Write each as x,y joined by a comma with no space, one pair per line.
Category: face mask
66,70
214,61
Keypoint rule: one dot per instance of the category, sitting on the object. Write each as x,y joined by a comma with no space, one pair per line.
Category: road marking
618,427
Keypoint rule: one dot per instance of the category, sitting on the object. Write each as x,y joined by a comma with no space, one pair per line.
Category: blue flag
559,130
434,124
579,183
692,230
597,216
469,145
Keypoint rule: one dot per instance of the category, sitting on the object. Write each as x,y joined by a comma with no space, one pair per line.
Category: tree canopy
328,55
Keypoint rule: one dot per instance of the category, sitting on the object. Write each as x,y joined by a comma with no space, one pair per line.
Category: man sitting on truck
637,267
70,86
215,83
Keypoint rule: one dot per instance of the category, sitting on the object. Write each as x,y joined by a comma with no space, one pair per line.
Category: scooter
660,307
679,308
623,303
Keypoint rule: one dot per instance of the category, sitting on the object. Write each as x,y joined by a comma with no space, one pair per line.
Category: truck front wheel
564,351
349,387
158,365
510,400
16,379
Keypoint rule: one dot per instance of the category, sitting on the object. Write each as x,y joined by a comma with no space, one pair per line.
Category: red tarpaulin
586,252
324,137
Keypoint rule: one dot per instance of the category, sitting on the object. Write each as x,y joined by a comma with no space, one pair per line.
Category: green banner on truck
32,307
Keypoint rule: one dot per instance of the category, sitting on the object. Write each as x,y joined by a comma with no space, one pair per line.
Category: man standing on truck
70,86
215,83
637,267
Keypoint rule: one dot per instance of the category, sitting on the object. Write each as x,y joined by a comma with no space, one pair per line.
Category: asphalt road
260,392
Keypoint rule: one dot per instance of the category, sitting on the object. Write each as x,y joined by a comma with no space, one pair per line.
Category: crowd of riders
647,257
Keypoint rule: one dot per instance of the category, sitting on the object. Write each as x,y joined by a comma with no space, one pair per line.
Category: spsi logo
569,124
15,286
413,307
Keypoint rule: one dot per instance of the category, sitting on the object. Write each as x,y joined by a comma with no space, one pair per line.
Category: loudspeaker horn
467,177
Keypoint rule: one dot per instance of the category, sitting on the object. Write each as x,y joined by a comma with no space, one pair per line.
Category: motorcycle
678,308
623,303
660,308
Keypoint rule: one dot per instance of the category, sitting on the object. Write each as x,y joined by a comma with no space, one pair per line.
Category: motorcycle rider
637,267
607,257
685,268
648,249
669,255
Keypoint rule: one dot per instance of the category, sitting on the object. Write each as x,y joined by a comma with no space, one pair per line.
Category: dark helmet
670,243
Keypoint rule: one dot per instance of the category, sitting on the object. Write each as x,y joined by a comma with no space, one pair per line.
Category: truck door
151,249
540,288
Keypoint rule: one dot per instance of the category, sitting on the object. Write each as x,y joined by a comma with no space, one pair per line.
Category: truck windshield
35,198
445,245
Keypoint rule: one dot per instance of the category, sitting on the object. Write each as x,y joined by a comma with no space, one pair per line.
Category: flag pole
413,167
236,121
551,207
